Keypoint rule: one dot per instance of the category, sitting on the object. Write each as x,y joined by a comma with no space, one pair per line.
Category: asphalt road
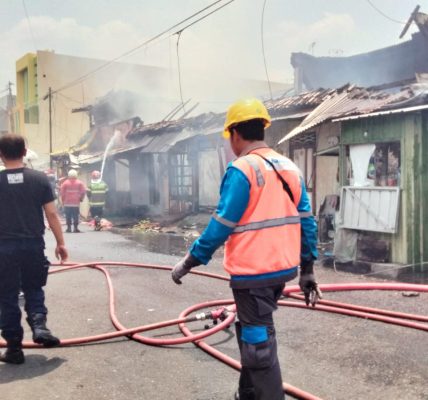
332,356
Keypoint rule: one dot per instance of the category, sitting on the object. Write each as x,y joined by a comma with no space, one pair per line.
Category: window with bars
181,177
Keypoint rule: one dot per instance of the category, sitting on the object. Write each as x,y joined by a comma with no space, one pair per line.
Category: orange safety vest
267,237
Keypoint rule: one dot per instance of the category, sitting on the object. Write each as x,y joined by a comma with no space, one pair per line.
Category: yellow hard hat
244,110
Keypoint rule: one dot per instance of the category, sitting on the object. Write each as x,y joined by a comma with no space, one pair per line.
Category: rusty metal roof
304,101
200,122
351,100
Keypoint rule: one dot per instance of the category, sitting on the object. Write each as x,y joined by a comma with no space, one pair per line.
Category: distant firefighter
72,194
97,194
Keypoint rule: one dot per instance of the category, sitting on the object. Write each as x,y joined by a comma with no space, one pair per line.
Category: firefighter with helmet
72,194
264,218
97,194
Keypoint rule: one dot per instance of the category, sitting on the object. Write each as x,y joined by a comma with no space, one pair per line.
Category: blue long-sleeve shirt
234,197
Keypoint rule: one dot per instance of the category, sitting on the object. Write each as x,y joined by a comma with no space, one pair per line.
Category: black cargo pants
260,374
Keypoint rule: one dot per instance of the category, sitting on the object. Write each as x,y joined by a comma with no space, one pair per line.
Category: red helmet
95,174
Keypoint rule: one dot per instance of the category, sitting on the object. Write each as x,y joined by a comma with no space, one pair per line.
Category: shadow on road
35,365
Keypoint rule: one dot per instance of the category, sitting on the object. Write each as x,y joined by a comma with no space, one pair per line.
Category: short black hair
254,129
12,147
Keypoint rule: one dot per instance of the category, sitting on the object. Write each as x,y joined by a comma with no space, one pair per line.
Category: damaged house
166,168
365,148
376,143
171,167
387,67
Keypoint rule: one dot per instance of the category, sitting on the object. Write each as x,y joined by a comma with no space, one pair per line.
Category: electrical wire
134,49
178,33
263,48
29,25
71,99
383,14
206,15
179,70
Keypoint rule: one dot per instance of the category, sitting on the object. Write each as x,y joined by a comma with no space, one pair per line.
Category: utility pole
10,105
49,95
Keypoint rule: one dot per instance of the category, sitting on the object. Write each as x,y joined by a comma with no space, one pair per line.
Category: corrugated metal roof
292,116
306,101
375,114
349,101
98,157
151,143
198,123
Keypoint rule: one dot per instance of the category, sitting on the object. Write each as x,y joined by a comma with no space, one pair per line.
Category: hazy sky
228,42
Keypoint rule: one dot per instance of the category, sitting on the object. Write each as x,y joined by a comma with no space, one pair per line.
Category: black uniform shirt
23,193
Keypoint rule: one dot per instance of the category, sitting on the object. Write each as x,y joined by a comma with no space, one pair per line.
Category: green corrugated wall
410,244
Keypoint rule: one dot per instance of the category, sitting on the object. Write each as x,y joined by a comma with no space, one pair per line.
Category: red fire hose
226,315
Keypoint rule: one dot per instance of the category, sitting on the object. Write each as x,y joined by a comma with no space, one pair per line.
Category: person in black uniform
24,195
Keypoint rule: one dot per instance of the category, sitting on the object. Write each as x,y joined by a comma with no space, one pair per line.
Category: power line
386,16
71,99
133,50
29,25
179,70
206,15
178,33
263,49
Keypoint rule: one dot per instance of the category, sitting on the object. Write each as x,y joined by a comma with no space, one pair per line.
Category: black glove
308,284
183,267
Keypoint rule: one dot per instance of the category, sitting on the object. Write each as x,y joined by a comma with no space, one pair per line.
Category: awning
376,114
344,103
292,116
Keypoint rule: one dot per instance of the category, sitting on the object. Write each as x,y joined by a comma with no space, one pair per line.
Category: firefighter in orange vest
264,216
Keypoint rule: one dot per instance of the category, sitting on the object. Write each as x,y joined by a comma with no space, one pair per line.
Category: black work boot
41,334
245,394
13,353
68,230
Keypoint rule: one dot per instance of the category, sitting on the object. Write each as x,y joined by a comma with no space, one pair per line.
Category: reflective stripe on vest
255,166
224,221
267,237
98,191
269,223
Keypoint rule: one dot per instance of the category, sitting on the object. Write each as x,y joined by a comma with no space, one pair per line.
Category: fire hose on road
223,314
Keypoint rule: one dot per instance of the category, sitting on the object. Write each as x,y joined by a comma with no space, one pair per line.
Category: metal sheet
163,142
346,101
292,116
370,208
375,114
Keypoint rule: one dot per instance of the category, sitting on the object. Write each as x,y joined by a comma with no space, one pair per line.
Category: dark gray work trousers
260,377
72,216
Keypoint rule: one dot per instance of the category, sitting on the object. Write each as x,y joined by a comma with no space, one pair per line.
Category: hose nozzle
218,314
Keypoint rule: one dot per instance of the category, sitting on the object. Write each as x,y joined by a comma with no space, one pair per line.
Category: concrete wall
277,131
209,178
57,71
